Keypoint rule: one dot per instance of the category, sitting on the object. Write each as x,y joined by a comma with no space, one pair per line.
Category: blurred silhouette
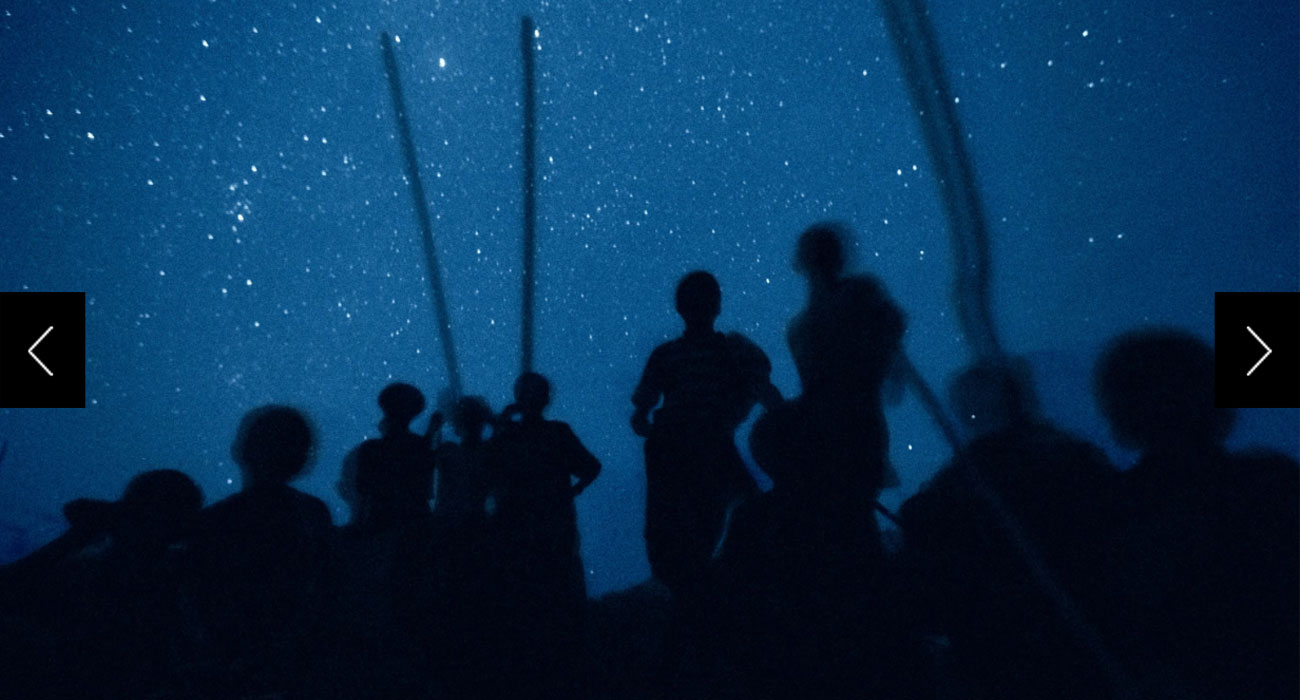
463,485
832,441
538,467
462,586
965,573
806,594
826,450
85,614
1211,551
264,564
708,383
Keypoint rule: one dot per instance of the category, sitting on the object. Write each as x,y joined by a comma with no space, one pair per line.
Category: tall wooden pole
909,25
926,79
527,35
422,215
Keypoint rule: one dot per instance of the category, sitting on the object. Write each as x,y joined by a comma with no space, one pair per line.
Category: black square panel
42,350
1257,349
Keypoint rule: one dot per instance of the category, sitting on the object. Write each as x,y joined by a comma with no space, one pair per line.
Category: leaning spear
422,214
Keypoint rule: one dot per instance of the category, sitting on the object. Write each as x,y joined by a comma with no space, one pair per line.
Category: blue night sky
224,181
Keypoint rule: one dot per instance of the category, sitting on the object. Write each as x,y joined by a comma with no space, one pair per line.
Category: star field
224,181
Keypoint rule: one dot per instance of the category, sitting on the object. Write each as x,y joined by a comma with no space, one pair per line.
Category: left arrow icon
31,351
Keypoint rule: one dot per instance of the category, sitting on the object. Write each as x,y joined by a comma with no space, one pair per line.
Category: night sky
224,181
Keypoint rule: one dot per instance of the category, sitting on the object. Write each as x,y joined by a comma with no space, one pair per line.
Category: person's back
117,575
274,537
972,581
709,381
536,461
393,474
1211,553
538,467
1063,491
263,558
831,443
844,342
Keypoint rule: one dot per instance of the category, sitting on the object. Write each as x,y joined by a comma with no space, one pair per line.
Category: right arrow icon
1267,351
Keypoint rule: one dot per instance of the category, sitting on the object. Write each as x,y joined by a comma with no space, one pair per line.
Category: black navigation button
42,350
1257,349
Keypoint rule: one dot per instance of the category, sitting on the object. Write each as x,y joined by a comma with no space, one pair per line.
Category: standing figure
832,442
1209,550
385,550
461,470
264,568
538,467
803,565
388,480
461,593
708,383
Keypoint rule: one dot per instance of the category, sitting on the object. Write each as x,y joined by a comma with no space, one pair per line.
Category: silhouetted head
273,445
91,515
992,395
400,403
699,298
158,508
1156,389
159,505
821,253
469,416
532,393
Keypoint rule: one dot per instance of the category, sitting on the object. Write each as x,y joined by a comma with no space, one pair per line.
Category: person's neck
263,484
819,287
387,429
698,330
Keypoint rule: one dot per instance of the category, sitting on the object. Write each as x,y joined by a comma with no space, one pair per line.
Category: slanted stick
422,215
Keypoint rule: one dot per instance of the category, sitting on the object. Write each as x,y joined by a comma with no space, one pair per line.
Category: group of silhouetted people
1028,567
